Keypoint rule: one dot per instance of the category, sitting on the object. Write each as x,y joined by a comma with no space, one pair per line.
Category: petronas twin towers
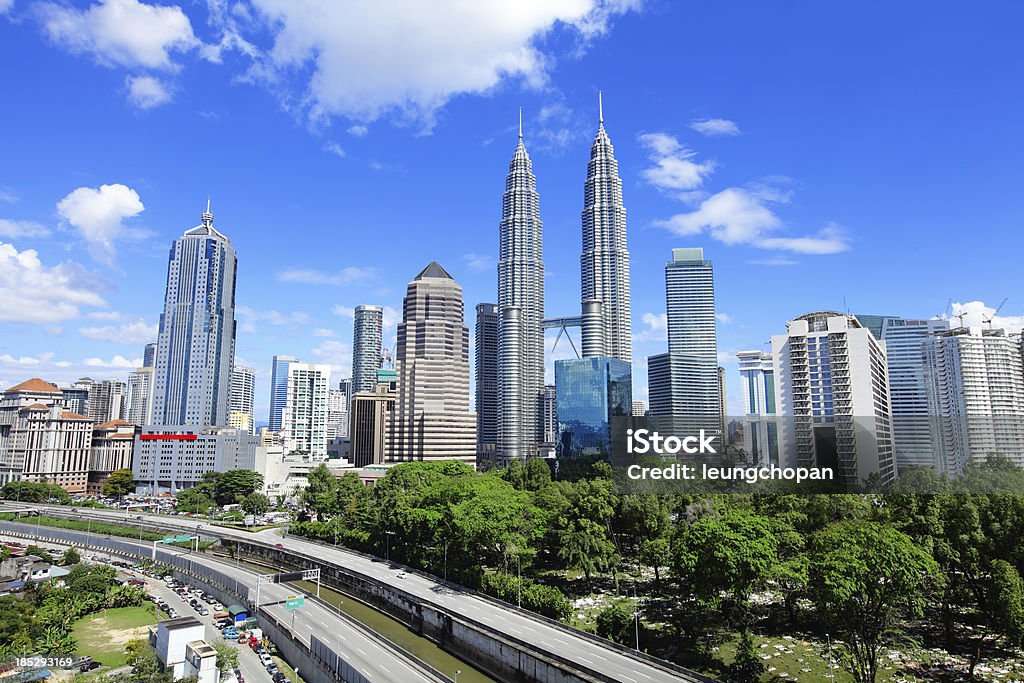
604,288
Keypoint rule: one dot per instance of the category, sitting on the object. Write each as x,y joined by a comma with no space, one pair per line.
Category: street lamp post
387,546
519,581
636,618
831,675
457,672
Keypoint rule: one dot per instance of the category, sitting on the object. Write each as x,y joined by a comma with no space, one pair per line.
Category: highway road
361,651
587,654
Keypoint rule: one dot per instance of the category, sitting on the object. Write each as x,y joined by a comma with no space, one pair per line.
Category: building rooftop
179,623
434,270
113,424
34,384
36,406
68,415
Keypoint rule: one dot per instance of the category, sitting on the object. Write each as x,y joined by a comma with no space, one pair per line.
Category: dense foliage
872,569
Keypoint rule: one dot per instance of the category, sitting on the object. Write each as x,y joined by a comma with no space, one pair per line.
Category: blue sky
821,153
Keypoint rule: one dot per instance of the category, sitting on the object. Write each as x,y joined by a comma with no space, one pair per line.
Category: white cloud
977,312
744,216
117,361
25,360
656,330
337,354
31,292
773,262
251,318
99,215
147,92
358,131
137,332
21,229
335,149
674,169
368,59
723,318
479,262
124,33
7,194
345,276
715,127
323,332
6,5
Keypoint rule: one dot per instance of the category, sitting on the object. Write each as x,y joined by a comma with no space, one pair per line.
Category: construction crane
961,315
943,316
988,321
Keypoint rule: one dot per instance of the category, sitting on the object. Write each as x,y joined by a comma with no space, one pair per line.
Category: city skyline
90,230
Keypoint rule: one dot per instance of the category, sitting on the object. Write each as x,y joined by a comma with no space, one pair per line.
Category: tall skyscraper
304,419
240,405
196,345
279,390
368,331
486,339
520,310
139,400
370,420
975,384
549,416
832,387
604,263
908,388
757,394
149,355
432,418
107,400
337,414
684,383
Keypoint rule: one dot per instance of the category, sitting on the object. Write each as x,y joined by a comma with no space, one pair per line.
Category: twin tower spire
605,290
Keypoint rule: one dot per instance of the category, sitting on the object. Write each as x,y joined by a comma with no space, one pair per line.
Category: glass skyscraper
367,337
196,345
279,390
589,394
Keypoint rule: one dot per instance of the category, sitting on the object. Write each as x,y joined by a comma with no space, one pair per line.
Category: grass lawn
103,635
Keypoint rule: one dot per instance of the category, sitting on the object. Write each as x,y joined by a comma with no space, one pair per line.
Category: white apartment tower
521,311
139,399
304,420
832,387
975,383
196,344
604,263
432,420
240,405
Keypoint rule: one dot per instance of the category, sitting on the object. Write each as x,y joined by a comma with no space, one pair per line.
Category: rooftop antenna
988,320
600,108
520,123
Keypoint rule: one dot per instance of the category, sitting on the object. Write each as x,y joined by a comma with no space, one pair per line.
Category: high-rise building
304,420
520,310
337,413
912,426
757,394
591,395
604,263
240,405
367,337
549,416
112,446
170,458
975,385
41,440
149,355
279,390
684,384
832,387
486,339
432,420
139,397
639,408
76,397
196,345
107,400
370,422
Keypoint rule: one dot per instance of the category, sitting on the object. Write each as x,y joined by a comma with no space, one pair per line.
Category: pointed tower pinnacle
207,217
520,123
600,109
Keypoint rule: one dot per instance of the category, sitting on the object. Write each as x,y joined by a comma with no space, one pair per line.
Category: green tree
227,659
193,500
616,622
733,554
255,504
71,557
119,483
747,667
321,492
865,577
585,546
234,485
40,553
